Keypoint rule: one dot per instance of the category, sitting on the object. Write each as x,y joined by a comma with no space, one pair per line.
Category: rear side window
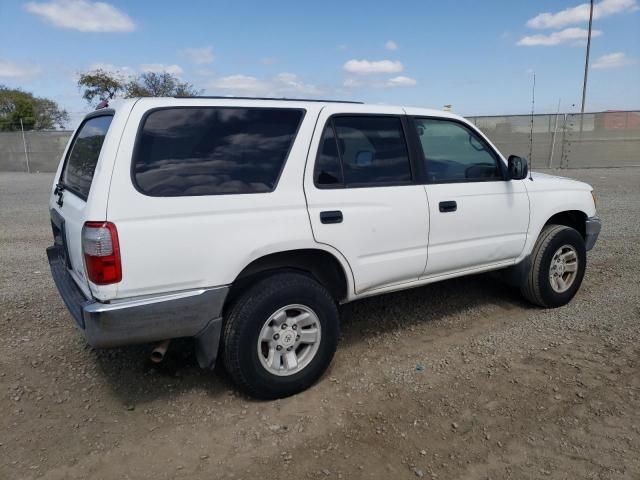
213,150
371,151
78,171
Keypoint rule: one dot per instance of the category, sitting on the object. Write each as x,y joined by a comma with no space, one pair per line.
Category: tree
36,113
99,85
152,84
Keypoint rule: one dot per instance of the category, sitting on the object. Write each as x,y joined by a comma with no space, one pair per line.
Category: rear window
213,150
77,174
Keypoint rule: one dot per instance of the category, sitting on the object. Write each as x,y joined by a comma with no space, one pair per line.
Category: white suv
245,222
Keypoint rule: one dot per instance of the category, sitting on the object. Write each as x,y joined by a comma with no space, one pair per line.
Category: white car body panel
391,238
550,195
489,226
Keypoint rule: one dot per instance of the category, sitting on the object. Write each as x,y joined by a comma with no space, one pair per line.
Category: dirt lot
456,380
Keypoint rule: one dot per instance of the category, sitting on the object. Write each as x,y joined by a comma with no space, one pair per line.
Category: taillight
101,252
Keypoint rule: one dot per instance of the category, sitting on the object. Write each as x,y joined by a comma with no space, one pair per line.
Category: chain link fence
32,151
565,140
568,140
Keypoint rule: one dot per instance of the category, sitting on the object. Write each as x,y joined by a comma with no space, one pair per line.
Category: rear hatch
72,191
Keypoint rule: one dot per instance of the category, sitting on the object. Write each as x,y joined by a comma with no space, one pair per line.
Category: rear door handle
449,206
331,216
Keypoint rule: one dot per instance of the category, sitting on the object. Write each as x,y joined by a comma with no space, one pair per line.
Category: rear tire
558,263
288,311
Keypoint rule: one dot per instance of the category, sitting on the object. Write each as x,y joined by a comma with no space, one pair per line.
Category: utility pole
24,144
586,65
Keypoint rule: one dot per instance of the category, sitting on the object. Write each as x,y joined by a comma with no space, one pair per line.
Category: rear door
362,196
72,190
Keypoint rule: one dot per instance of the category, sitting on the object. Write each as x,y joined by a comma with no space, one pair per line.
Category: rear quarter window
213,150
82,159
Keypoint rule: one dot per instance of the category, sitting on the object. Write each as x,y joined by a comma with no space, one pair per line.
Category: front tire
280,335
558,263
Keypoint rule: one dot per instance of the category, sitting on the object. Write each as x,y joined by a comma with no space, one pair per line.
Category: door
362,197
478,217
69,201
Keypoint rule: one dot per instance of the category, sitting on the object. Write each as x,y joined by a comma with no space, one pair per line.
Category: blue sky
477,56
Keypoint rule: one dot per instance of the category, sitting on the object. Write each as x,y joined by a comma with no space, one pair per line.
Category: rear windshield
83,155
213,150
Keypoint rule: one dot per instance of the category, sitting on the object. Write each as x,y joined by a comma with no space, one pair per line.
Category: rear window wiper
60,187
59,190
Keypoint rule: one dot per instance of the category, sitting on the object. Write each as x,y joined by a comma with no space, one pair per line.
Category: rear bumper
191,313
593,225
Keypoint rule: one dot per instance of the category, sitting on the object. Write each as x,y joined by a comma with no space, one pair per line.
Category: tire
540,287
293,295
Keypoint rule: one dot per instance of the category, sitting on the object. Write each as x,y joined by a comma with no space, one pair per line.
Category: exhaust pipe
158,352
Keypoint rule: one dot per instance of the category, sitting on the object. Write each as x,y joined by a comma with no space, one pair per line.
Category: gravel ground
460,379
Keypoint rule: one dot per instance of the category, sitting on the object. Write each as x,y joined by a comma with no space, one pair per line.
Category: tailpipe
159,351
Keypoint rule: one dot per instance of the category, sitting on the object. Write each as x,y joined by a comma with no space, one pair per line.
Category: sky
478,57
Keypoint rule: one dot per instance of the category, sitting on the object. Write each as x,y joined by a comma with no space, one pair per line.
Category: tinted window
328,170
83,156
212,151
454,153
373,150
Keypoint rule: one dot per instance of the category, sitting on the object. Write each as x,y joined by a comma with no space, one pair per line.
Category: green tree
36,113
99,85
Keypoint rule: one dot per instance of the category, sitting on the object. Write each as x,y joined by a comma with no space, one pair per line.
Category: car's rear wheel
280,335
558,263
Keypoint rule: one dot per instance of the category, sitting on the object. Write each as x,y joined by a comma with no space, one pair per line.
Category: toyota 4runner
244,223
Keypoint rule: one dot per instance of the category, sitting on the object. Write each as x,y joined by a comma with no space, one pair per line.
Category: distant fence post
24,143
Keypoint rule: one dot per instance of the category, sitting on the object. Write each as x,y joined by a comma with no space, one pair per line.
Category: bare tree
99,85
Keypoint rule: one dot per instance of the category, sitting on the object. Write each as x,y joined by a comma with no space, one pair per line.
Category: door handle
331,216
449,206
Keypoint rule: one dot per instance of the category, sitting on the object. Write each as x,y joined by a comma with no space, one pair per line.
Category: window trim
332,186
421,158
141,123
410,154
107,112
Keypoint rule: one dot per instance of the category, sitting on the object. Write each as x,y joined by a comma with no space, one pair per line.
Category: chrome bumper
192,313
593,226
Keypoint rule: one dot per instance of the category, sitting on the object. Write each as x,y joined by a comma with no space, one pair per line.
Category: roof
347,106
284,99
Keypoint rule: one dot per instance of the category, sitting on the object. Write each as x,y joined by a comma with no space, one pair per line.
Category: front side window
213,150
78,171
454,153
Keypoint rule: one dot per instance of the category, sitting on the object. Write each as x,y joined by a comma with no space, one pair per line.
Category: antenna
533,107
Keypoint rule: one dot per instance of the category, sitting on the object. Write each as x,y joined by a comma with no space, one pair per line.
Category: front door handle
331,216
449,206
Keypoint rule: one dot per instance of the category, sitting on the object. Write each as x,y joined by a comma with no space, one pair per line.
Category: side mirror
518,167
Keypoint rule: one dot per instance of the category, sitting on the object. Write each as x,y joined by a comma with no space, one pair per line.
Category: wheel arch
575,219
571,217
322,265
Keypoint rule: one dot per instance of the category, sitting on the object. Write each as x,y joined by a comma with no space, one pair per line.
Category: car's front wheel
280,335
558,263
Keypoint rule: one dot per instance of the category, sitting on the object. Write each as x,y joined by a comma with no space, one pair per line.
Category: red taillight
101,252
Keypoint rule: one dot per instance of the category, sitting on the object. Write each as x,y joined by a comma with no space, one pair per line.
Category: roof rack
221,97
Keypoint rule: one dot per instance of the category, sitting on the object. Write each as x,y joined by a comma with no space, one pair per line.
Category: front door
478,218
